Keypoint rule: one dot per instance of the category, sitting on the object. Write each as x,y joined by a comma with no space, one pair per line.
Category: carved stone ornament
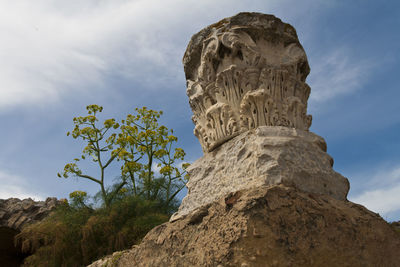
243,72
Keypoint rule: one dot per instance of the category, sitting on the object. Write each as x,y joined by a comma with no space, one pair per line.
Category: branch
115,192
88,177
138,125
111,159
174,194
104,133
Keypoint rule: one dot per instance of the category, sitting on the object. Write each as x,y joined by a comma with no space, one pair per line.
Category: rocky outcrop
15,213
269,226
268,156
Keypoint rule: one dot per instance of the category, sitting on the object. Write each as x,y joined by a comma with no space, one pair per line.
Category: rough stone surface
264,193
246,71
15,213
10,255
269,226
268,155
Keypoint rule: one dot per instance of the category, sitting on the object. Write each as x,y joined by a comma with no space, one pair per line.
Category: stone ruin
244,72
264,193
246,83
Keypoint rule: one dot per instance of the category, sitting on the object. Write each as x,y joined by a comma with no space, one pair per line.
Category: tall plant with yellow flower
152,167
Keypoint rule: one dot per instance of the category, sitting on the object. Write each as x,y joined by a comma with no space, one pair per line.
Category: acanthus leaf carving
246,73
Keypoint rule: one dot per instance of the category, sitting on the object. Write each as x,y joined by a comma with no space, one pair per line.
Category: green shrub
76,236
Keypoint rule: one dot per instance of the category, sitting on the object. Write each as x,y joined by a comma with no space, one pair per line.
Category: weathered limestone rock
268,226
246,86
268,155
246,71
15,213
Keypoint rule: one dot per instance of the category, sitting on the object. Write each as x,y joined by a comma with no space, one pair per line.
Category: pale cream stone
246,86
266,156
243,72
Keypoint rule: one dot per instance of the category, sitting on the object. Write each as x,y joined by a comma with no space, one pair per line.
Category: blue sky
59,56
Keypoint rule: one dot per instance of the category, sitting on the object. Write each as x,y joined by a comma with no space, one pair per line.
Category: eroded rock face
246,86
268,155
243,72
269,226
15,213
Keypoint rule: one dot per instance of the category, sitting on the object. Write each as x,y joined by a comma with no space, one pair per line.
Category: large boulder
268,155
269,226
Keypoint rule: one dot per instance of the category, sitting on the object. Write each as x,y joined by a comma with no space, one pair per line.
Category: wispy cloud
382,200
49,49
52,48
336,73
382,190
15,186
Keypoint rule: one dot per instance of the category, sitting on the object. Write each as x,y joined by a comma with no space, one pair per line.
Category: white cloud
156,169
16,187
384,197
52,48
336,73
381,201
